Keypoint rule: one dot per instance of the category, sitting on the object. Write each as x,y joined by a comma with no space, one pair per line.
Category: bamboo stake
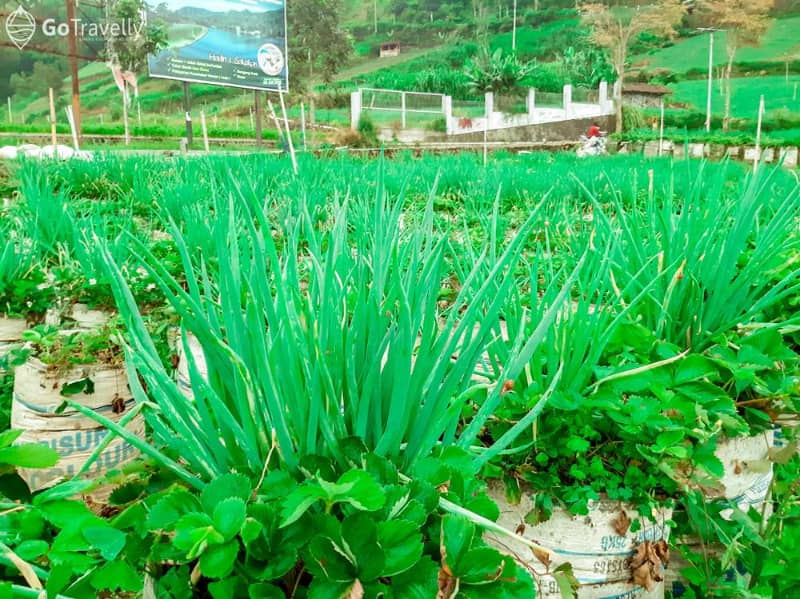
125,112
288,133
303,123
205,130
73,129
53,120
275,118
758,134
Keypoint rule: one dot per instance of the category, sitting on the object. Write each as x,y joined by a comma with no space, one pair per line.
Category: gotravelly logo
20,27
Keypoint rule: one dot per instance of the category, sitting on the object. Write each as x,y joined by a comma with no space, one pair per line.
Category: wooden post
274,118
488,104
661,130
758,134
710,79
205,131
288,133
53,138
257,103
72,128
312,119
125,112
73,65
303,123
187,108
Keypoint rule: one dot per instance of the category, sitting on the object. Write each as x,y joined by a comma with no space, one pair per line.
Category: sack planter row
601,558
788,157
38,394
601,546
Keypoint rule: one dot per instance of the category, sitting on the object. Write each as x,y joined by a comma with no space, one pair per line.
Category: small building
390,49
644,95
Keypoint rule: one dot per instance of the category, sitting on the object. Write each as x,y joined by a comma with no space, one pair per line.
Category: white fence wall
406,104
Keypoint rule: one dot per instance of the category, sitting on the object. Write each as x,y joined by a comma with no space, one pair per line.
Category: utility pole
710,31
73,65
514,28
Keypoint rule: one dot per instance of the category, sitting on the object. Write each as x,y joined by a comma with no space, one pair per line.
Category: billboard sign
239,43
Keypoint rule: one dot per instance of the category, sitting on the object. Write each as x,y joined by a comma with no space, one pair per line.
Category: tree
128,46
616,28
44,76
744,22
317,43
496,72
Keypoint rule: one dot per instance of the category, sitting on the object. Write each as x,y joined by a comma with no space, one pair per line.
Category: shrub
633,118
438,125
367,128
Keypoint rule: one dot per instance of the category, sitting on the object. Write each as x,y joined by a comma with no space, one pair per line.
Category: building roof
646,88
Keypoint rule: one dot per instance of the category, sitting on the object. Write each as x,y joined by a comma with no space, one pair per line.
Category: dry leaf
662,551
621,523
646,565
520,529
737,467
356,591
447,584
443,487
117,404
542,556
508,385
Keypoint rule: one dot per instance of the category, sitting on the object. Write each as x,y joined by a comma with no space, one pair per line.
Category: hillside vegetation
438,39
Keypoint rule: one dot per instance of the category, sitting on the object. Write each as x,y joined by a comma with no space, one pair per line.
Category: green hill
780,41
745,93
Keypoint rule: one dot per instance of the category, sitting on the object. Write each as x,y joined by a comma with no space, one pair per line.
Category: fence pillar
602,97
403,109
355,109
567,101
531,101
488,100
447,109
617,89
